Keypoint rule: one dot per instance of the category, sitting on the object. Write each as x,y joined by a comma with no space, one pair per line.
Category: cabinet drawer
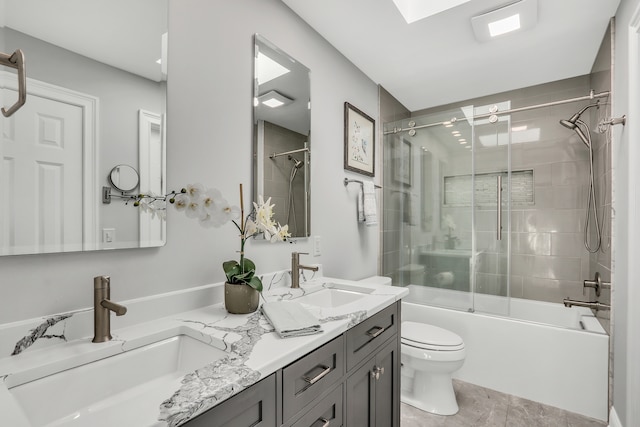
255,406
308,377
365,337
328,412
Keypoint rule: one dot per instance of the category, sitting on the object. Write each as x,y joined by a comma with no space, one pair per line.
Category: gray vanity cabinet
255,407
351,381
311,376
372,391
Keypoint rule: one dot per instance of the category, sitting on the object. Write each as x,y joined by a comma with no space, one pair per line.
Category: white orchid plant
212,210
449,223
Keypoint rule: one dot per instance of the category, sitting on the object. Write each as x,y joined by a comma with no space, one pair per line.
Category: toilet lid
426,336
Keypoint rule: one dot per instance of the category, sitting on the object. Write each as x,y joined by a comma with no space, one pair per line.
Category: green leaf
248,265
231,269
256,283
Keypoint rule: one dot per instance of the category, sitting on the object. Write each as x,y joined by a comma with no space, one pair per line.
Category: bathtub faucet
597,284
594,305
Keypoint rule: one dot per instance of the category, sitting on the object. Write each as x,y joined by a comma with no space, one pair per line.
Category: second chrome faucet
296,267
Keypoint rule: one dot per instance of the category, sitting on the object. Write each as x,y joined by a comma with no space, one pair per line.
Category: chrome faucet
102,307
296,267
594,305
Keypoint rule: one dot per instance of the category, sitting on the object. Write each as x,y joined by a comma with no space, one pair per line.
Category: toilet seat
429,337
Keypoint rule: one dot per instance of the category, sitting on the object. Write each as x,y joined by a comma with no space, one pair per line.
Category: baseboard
614,421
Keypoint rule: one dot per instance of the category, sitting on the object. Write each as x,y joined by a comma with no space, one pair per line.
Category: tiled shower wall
548,259
600,261
394,235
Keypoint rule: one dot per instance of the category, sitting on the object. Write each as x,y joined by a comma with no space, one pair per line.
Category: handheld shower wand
574,123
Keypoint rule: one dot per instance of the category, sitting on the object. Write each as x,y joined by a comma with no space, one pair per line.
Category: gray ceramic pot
240,299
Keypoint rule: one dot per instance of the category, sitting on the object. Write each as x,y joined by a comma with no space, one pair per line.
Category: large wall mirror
96,100
282,123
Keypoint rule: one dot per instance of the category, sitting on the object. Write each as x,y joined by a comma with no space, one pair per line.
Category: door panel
41,150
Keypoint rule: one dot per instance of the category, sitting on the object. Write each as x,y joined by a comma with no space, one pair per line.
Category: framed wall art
359,141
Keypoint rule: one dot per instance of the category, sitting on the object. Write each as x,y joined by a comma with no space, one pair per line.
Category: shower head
296,163
573,121
568,124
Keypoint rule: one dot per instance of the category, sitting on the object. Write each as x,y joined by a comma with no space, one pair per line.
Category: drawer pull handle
375,331
325,422
325,371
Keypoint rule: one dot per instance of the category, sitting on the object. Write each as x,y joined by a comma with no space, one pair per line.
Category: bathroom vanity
351,380
197,365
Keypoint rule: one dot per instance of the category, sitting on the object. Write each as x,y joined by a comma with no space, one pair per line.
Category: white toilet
430,355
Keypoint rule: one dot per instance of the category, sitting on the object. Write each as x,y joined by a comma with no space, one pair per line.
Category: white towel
290,319
370,205
360,204
411,208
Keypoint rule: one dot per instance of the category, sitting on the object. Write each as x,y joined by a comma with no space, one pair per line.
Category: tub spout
594,305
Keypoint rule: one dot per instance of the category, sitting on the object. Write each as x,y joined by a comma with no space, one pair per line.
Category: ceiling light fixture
520,15
274,99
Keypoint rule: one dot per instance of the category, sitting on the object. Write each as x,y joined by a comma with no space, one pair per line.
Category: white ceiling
437,60
122,33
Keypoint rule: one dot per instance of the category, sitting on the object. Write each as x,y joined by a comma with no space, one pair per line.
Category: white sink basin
330,298
125,389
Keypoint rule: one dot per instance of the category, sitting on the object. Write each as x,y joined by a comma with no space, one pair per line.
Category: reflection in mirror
124,178
282,122
96,89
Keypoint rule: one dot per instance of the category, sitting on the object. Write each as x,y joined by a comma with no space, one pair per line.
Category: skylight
415,10
268,69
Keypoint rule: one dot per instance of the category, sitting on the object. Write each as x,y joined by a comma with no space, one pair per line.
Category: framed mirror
96,99
282,135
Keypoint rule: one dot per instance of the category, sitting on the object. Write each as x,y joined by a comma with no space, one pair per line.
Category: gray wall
209,141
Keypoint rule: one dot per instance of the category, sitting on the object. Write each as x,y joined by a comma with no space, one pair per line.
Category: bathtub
540,351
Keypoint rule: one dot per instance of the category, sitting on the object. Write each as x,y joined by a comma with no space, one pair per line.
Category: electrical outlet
316,246
108,235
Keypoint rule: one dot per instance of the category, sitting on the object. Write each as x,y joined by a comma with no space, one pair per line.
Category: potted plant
242,286
450,241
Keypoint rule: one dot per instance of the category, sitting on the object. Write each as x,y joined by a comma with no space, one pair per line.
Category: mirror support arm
16,60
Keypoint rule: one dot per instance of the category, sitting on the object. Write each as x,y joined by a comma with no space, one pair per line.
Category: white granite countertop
252,349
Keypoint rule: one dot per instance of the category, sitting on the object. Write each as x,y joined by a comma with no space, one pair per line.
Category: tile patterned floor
482,407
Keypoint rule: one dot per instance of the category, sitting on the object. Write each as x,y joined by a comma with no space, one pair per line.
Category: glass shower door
428,234
491,210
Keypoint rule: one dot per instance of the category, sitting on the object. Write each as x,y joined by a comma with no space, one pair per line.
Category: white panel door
152,166
41,170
